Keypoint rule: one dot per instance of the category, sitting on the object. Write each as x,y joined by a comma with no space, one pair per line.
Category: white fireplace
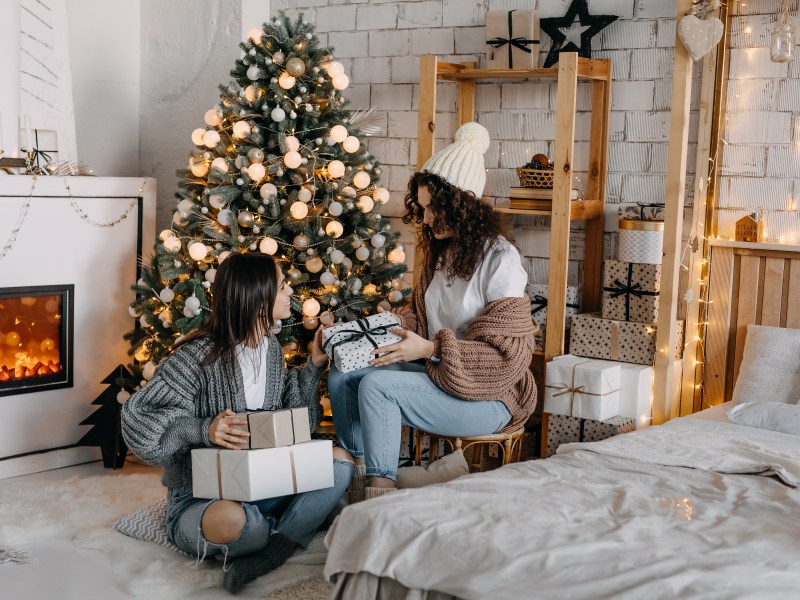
66,279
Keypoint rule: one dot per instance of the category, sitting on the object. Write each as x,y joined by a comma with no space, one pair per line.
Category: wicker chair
510,444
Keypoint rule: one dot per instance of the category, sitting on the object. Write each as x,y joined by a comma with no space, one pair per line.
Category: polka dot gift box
350,344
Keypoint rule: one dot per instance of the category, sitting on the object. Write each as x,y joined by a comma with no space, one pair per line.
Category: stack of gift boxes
604,386
282,459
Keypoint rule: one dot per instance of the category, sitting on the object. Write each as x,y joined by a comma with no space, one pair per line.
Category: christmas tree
280,168
106,431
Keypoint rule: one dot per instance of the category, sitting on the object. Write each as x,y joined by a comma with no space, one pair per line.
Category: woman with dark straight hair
461,368
231,365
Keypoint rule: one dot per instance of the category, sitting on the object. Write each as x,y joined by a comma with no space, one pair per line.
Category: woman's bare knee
223,521
342,454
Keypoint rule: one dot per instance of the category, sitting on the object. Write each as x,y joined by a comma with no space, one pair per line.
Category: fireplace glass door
36,338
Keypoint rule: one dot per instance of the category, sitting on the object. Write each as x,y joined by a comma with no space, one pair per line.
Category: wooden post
664,392
426,119
466,97
560,219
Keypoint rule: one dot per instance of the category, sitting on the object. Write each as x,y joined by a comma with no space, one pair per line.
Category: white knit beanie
461,163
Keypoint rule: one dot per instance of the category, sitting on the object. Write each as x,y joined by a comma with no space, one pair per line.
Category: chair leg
507,451
433,448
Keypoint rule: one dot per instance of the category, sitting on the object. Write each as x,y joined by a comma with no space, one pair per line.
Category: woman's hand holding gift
411,347
318,355
223,431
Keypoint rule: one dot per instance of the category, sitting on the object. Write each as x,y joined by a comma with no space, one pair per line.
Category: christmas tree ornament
294,274
699,36
225,216
335,208
311,307
336,168
349,191
240,181
278,114
326,318
286,81
347,263
222,256
241,129
292,159
338,133
220,164
361,180
211,138
337,256
198,250
192,302
172,245
362,253
370,289
268,246
340,82
327,278
334,68
395,296
299,210
377,240
278,57
144,321
198,169
211,118
295,67
396,255
255,155
292,143
310,323
197,136
783,39
355,285
334,229
314,264
257,171
304,194
334,302
179,219
251,93
590,26
165,234
381,195
351,144
210,275
245,219
216,201
301,241
149,370
292,115
253,73
365,204
240,162
267,191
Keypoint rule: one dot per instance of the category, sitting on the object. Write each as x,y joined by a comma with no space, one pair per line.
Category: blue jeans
297,517
370,405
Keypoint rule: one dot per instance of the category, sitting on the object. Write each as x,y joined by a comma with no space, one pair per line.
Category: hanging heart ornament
699,36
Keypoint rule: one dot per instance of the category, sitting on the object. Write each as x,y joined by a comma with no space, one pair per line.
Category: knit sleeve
495,355
301,388
159,422
408,318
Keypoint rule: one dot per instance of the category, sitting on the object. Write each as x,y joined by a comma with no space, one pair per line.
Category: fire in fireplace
36,329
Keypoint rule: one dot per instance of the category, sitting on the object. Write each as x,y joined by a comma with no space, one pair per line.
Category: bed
698,507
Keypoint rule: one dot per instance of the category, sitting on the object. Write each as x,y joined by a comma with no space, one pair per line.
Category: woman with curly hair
462,365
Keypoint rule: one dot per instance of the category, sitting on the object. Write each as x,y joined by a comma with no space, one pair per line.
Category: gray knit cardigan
170,415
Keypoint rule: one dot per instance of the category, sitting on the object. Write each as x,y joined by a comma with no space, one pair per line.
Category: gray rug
314,588
10,555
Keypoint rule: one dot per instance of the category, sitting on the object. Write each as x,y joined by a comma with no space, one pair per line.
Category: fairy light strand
20,220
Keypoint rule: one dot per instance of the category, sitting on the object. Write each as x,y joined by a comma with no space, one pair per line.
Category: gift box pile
282,460
562,429
350,344
512,37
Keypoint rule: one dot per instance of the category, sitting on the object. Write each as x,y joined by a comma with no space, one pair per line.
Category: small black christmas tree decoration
107,430
591,25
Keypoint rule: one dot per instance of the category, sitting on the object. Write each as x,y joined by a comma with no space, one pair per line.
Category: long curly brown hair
472,221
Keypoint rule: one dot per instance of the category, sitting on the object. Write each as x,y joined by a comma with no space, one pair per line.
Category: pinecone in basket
541,162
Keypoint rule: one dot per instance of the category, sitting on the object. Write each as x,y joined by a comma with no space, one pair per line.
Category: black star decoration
592,25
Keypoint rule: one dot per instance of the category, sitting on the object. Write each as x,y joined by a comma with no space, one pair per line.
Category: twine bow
574,390
628,289
513,42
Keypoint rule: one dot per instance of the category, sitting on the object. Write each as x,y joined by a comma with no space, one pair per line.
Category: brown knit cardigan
491,362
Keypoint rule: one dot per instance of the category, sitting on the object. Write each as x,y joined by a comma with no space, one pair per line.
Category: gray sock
355,491
247,568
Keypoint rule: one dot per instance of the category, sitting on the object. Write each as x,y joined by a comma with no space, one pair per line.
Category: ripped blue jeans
297,517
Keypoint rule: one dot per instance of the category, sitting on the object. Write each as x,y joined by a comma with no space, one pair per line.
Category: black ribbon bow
43,153
513,42
364,331
540,303
628,289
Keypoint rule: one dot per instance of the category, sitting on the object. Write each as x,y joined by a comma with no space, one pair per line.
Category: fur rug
82,509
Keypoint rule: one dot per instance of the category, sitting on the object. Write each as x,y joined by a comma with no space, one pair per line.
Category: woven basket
535,178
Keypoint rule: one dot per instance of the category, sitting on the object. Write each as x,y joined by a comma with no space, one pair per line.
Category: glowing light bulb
311,307
361,180
338,133
334,229
336,168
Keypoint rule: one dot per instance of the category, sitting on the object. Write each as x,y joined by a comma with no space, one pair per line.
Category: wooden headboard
749,284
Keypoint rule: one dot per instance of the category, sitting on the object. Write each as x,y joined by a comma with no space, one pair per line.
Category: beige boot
355,491
375,492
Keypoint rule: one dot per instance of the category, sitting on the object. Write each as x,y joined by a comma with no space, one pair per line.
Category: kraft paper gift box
642,212
562,429
537,292
595,337
630,291
582,387
635,391
251,475
512,37
350,345
276,428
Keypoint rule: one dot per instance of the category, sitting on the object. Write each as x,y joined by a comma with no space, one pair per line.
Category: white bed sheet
586,525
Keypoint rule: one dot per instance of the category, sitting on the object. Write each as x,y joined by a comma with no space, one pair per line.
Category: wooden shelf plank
580,210
588,68
719,242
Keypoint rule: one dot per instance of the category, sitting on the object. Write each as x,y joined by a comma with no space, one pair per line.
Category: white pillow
775,416
770,368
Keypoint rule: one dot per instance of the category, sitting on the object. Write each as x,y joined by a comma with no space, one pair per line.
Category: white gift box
250,475
537,292
582,387
635,391
276,428
350,344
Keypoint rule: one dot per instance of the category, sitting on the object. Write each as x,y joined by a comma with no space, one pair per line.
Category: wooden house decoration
750,228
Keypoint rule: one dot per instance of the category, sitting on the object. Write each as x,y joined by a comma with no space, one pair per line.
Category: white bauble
336,168
198,168
301,241
278,114
377,240
220,164
251,93
222,256
292,143
134,312
349,192
340,82
166,234
241,129
338,133
362,253
395,296
255,155
278,57
396,255
311,307
268,246
337,256
149,370
381,195
351,144
355,285
327,278
326,318
347,263
192,302
361,180
197,136
198,250
365,204
211,138
335,208
334,68
385,305
216,201
253,73
286,81
172,245
310,323
185,205
122,396
211,118
144,321
292,159
299,210
210,275
304,194
314,264
334,229
257,171
225,216
267,191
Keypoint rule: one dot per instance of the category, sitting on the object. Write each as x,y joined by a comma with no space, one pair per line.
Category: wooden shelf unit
562,210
